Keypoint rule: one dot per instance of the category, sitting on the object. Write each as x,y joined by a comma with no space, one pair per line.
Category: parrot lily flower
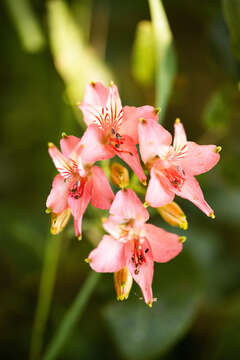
115,126
78,182
133,243
173,167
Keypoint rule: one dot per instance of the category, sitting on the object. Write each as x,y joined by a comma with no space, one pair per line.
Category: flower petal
153,139
93,146
128,153
79,205
108,256
199,159
143,275
127,206
57,199
68,143
192,191
102,195
96,94
114,104
62,163
131,116
180,138
165,245
158,194
112,226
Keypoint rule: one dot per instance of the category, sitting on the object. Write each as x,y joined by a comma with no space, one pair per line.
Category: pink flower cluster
115,130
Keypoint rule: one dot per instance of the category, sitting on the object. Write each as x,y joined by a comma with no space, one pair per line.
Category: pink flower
115,127
133,243
173,167
78,182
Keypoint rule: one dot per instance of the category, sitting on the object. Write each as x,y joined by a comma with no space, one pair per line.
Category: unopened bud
59,221
123,282
119,175
173,215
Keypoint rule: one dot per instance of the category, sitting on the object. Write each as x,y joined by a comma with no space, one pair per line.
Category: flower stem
47,282
71,317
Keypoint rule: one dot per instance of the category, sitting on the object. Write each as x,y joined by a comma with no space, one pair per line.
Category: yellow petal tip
64,135
146,204
92,83
142,120
51,145
211,215
218,149
149,304
87,260
177,121
144,182
48,211
79,237
111,83
157,110
182,239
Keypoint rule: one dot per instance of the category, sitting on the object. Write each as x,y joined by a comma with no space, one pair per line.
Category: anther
117,146
118,136
113,131
136,271
146,250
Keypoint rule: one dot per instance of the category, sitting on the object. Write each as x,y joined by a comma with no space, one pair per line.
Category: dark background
197,314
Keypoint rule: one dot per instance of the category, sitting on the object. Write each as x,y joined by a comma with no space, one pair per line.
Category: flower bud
123,282
173,215
119,175
59,221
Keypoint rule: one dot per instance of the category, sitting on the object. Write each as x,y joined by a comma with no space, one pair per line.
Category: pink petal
111,225
180,138
153,139
95,95
62,163
78,226
165,245
199,159
78,206
145,271
128,153
131,116
127,206
102,195
108,256
94,147
57,199
114,104
158,194
68,143
192,191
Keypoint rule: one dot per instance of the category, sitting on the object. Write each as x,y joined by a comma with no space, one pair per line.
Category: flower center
77,188
139,251
175,175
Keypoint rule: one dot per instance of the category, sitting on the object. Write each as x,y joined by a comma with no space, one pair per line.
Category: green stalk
71,317
47,283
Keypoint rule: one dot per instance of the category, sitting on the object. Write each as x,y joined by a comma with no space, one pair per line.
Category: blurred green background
49,51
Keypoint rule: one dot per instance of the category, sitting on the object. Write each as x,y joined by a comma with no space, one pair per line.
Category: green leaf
143,60
27,25
143,333
166,63
74,59
231,11
218,110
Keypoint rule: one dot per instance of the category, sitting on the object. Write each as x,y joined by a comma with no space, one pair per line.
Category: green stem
45,294
71,317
